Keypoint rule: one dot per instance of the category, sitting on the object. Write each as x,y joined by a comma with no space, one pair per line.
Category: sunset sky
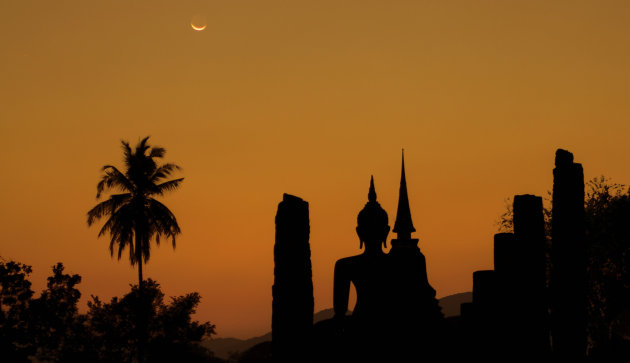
304,97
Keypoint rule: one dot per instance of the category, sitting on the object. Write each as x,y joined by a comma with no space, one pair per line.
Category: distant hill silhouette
224,347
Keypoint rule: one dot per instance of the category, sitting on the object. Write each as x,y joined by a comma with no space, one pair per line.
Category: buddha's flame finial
372,192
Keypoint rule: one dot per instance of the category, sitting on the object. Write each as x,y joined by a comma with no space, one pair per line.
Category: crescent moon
198,28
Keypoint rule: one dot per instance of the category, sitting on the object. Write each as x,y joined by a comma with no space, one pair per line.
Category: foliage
15,295
607,217
50,327
172,335
134,215
55,325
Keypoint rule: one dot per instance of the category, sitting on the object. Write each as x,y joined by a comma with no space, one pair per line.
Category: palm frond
157,152
163,220
163,171
118,223
134,219
142,146
146,249
144,230
120,226
127,153
113,179
107,207
168,186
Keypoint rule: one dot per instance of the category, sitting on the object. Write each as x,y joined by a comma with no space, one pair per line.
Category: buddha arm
341,290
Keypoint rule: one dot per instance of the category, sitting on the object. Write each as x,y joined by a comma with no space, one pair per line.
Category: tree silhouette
607,210
172,334
135,217
56,328
15,295
50,328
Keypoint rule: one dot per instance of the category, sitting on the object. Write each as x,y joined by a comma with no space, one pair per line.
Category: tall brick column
529,233
568,257
292,314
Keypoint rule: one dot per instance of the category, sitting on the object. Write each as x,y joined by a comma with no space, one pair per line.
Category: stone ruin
536,293
292,307
531,306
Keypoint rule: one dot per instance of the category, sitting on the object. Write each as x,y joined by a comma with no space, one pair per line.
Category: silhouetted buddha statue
396,317
368,272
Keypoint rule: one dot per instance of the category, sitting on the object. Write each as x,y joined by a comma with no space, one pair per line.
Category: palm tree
135,217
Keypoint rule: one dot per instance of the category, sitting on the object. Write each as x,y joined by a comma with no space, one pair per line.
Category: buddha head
372,222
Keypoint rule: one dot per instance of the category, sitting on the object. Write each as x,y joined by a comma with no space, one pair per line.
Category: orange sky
304,97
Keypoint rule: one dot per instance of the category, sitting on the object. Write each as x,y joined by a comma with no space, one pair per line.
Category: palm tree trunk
141,302
140,280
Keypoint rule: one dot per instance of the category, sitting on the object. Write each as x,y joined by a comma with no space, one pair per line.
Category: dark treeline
607,221
50,328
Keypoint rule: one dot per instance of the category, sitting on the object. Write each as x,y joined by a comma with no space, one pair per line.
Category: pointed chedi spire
403,226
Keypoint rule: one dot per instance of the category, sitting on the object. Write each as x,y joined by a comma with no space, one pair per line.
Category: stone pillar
568,258
484,290
466,344
505,253
506,267
485,314
508,296
292,309
529,233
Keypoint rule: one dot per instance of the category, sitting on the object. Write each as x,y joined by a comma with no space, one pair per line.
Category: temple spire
404,225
